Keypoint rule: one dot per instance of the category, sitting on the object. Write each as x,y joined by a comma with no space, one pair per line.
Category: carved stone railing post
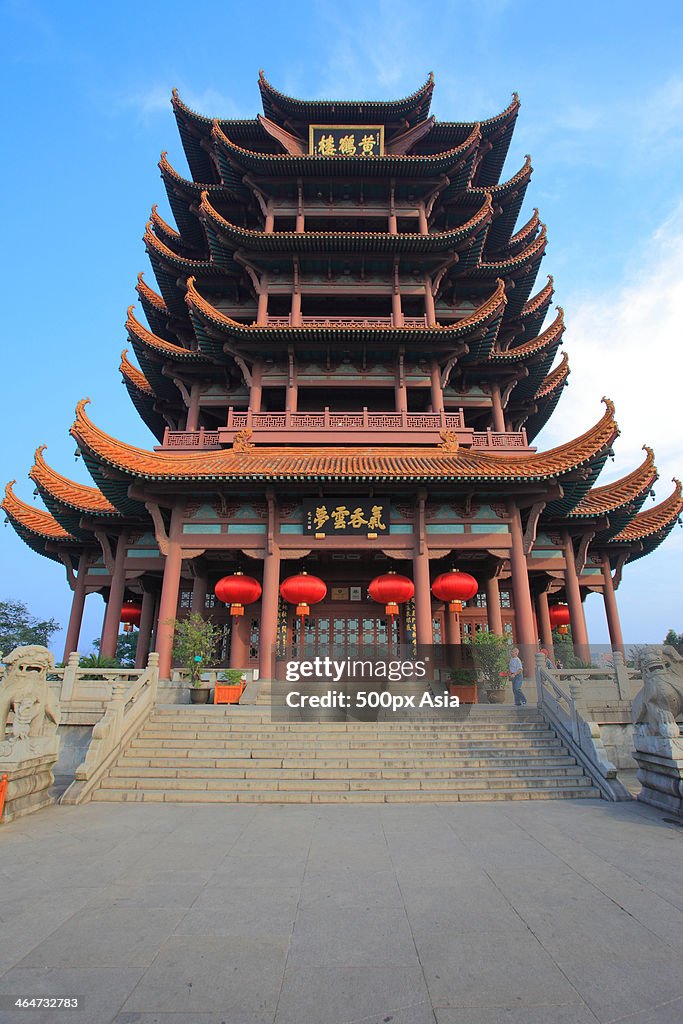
70,673
621,676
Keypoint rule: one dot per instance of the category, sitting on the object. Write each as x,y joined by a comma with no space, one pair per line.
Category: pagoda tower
344,356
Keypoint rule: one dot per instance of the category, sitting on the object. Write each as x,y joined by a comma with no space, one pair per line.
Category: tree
194,644
126,648
674,639
19,628
490,653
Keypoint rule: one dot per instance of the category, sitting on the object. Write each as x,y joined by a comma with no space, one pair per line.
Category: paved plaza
532,912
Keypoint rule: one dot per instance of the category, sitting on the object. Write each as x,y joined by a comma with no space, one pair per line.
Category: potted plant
490,654
463,684
229,686
194,644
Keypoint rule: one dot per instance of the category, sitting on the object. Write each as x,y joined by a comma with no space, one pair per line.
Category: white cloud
628,345
156,99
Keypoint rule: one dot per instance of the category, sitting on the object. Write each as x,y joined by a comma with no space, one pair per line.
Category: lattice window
185,599
254,629
505,599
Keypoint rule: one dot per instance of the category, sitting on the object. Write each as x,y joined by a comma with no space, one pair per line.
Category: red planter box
228,693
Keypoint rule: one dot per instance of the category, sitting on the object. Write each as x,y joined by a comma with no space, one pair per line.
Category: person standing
516,670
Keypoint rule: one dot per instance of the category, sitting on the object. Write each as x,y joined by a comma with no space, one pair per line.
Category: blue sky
86,90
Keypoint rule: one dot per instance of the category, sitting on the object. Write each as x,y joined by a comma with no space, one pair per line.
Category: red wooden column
256,388
192,418
453,632
573,591
611,610
269,605
430,309
262,307
436,392
168,603
112,616
145,631
423,598
239,640
493,612
73,630
543,617
396,307
199,585
424,633
497,414
524,616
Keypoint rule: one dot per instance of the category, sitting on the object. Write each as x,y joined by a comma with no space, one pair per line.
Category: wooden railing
566,711
345,321
358,423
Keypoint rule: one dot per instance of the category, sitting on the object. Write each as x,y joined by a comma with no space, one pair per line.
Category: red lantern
130,615
303,591
391,590
454,587
560,618
237,591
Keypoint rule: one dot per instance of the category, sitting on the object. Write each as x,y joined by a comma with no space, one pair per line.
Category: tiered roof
648,529
480,263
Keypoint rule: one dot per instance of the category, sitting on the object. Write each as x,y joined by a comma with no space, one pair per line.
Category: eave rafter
313,166
342,242
482,317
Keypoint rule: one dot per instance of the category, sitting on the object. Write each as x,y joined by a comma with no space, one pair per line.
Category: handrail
567,714
127,710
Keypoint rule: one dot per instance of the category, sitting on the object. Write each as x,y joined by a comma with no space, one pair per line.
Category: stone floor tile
338,995
105,990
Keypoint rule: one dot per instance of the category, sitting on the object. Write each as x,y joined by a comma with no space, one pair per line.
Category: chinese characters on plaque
326,518
346,140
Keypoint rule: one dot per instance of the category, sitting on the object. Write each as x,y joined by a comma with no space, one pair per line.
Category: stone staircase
229,754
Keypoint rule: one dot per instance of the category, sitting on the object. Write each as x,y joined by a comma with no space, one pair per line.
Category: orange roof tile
159,223
68,492
35,520
600,500
659,517
139,333
526,231
555,378
550,336
539,300
345,463
134,376
148,295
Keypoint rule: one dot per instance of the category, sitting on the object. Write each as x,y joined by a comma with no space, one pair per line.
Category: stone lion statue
24,691
660,703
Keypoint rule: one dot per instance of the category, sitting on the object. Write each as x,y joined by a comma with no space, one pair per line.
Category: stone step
124,771
349,763
569,792
468,742
275,733
336,785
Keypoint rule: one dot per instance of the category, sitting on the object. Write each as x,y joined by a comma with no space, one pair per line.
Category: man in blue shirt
517,677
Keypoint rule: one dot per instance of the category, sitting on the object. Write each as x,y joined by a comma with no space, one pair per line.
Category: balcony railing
349,428
346,321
